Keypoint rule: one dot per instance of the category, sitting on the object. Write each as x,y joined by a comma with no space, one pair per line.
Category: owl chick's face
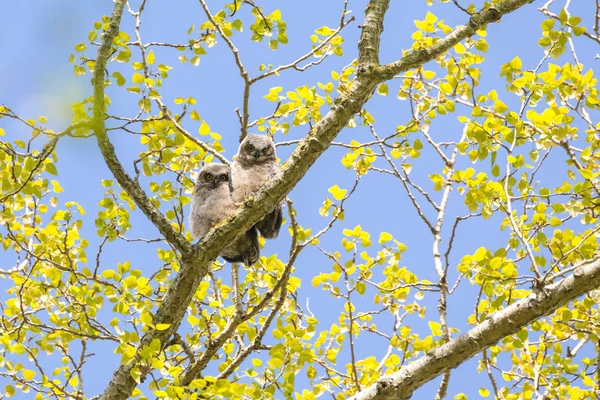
256,149
211,176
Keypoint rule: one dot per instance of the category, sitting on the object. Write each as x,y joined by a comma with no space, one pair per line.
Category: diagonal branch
315,50
108,150
189,136
401,384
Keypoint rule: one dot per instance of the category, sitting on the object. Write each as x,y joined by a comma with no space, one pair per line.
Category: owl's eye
223,178
250,148
267,150
208,177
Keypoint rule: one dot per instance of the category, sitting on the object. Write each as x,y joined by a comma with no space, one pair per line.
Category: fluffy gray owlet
211,203
255,164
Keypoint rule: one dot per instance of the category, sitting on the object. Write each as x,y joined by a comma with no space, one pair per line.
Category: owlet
211,203
255,164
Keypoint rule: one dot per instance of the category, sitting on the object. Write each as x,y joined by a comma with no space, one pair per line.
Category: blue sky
37,79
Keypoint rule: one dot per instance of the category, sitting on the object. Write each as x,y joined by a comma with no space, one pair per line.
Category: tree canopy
441,181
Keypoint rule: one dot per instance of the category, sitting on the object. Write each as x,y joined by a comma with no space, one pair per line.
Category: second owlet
255,164
211,203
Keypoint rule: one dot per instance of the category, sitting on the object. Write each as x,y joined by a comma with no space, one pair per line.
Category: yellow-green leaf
385,237
137,78
383,89
337,193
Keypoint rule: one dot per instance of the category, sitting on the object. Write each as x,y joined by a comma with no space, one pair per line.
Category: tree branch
401,384
122,383
189,136
108,150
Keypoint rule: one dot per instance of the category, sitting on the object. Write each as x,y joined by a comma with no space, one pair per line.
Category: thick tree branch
368,45
401,384
197,259
107,149
122,383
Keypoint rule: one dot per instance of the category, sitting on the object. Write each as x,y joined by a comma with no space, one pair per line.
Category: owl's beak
256,154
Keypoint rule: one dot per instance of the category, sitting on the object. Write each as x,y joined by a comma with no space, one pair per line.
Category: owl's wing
247,249
253,252
197,222
269,226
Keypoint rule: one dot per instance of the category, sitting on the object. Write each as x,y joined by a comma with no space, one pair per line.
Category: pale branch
543,301
398,319
443,388
437,258
573,353
568,270
238,62
436,147
404,179
190,44
197,258
235,278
